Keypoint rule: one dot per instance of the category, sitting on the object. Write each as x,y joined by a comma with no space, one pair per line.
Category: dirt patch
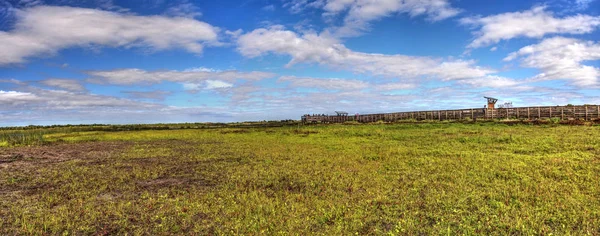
39,155
7,158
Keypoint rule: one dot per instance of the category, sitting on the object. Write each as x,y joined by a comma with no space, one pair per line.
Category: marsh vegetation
425,178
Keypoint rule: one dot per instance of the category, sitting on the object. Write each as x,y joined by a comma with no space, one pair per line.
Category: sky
160,61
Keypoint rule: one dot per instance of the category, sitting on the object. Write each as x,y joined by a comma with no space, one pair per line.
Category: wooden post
517,113
550,112
598,111
472,114
586,113
562,113
460,115
539,113
528,114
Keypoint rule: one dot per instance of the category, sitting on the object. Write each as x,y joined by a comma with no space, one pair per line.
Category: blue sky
150,61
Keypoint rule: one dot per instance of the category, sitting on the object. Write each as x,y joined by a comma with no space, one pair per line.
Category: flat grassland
426,178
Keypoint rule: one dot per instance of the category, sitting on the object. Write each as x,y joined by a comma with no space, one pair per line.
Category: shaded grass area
336,179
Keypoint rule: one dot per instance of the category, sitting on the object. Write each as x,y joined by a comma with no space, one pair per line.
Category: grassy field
407,179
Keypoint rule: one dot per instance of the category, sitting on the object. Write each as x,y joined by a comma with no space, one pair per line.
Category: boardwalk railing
585,112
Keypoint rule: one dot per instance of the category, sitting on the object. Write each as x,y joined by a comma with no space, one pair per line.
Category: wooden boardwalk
584,112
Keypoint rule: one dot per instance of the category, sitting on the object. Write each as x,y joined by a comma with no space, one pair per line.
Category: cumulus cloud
361,12
191,76
325,50
66,84
534,23
562,58
44,30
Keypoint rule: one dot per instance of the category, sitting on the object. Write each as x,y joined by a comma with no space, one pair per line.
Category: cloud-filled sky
151,61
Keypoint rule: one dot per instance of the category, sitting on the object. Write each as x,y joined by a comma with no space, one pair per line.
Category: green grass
427,178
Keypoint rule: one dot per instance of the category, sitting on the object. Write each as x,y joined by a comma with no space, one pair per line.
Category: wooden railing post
528,114
586,113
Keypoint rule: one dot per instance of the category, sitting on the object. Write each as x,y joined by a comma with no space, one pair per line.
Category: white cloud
534,23
326,84
269,8
192,86
66,84
12,81
190,76
297,6
208,84
153,95
234,34
562,58
217,84
201,69
35,98
582,4
394,86
493,82
41,106
325,50
361,12
16,98
44,30
184,9
336,84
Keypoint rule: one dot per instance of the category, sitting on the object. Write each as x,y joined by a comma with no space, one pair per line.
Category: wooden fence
585,112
